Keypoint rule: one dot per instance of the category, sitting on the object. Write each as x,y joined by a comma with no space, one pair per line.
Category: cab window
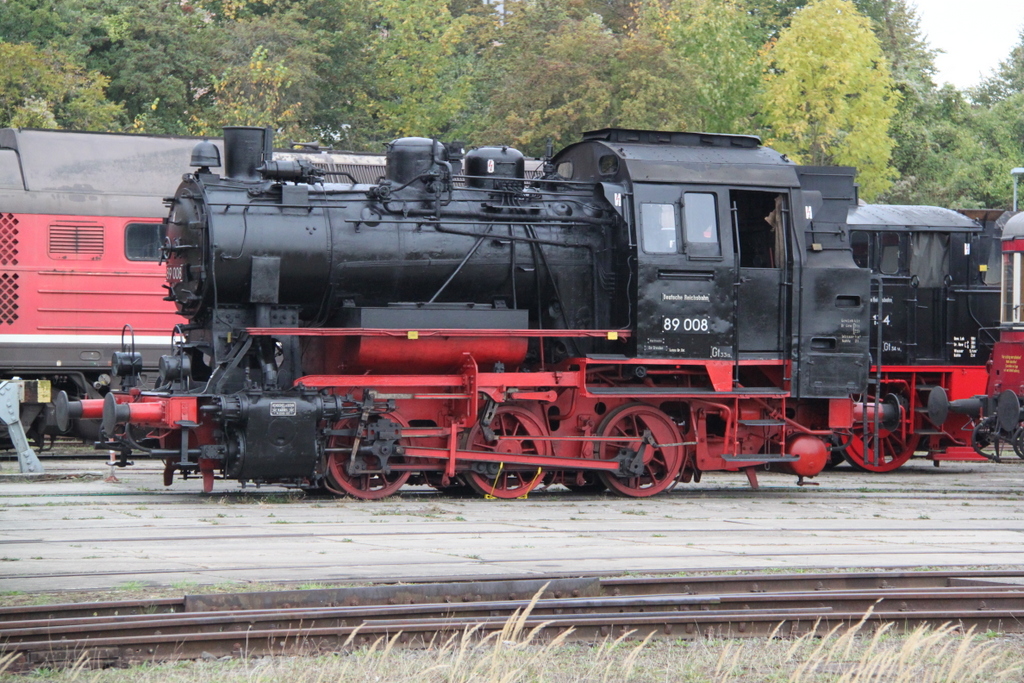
759,224
659,228
700,216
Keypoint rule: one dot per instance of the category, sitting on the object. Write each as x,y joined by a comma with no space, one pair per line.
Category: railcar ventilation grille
71,241
8,240
8,298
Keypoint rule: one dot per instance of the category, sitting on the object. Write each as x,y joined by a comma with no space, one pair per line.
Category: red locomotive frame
591,424
916,431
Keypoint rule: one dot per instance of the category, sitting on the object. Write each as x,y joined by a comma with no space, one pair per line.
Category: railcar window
995,253
860,241
889,245
142,241
658,225
565,170
1011,288
1018,288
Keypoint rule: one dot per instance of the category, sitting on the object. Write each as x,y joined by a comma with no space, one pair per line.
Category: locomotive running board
413,334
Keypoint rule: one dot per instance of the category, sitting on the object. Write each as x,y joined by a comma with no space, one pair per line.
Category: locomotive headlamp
1016,173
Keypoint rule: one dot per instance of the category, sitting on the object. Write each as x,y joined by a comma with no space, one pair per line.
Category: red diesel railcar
80,234
80,238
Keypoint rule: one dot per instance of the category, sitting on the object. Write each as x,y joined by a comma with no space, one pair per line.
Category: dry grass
923,656
514,655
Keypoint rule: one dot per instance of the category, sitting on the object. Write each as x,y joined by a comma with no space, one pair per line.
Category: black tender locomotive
656,305
935,302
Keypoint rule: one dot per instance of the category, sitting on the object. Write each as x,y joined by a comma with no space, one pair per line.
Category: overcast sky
975,34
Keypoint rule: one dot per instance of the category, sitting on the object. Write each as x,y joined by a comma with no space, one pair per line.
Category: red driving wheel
625,426
371,485
894,450
510,425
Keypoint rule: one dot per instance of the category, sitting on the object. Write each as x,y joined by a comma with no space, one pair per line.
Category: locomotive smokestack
245,149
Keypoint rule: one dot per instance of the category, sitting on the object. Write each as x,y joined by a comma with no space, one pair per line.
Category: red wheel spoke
894,447
503,482
663,463
367,486
893,452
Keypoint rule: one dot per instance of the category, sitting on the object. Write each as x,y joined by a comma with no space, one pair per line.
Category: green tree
618,15
771,16
1006,81
269,74
254,95
160,56
954,148
718,40
230,10
43,23
650,81
422,63
962,153
556,70
44,89
829,95
547,83
458,8
898,30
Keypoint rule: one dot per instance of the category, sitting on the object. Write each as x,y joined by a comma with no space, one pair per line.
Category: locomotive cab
934,301
726,271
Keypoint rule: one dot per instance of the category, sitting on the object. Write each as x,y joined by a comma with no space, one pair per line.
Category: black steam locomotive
654,306
935,308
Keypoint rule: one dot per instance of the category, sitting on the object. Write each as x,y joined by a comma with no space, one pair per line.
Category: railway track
295,622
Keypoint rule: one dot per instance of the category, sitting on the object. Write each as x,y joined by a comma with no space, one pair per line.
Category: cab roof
670,157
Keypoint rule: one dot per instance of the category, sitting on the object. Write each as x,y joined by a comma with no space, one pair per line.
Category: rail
298,622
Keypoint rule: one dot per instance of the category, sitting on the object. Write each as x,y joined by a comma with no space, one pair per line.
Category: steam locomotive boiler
655,306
